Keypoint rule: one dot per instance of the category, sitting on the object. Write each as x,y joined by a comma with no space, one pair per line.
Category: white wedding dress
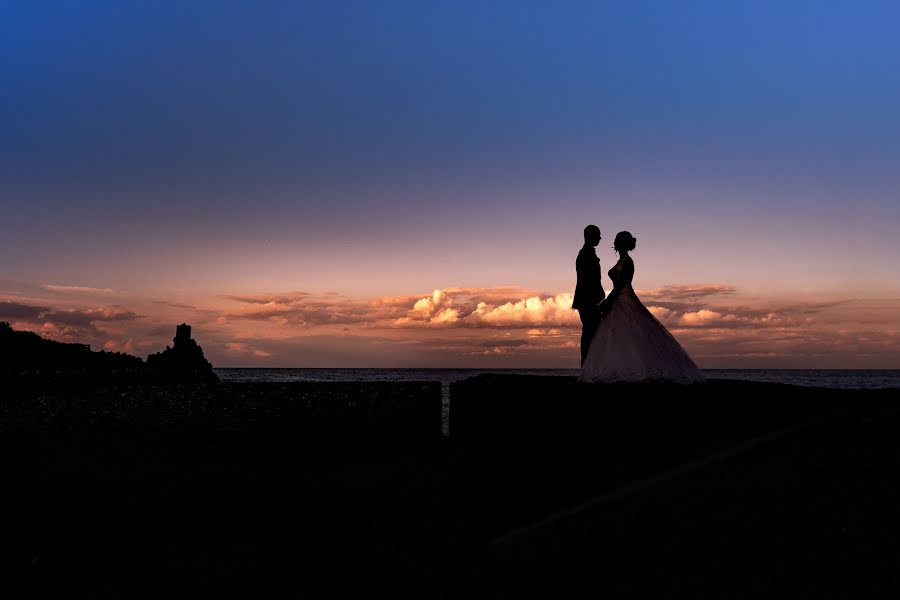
630,344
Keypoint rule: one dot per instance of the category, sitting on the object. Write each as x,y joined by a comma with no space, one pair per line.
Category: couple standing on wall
620,339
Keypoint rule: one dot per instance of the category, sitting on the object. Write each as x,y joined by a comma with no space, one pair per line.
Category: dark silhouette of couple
620,339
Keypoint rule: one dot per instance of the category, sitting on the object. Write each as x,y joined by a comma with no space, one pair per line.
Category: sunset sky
405,184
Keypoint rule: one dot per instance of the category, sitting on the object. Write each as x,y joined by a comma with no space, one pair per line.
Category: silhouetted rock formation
184,359
24,350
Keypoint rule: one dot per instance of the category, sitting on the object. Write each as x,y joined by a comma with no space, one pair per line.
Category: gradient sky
405,183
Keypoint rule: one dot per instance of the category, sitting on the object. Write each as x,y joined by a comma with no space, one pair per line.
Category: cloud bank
503,326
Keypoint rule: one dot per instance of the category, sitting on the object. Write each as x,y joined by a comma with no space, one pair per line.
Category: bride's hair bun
625,241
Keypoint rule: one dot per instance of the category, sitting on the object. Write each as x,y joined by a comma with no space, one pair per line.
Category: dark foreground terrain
546,487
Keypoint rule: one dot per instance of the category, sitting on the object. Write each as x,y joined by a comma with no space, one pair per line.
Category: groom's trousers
590,318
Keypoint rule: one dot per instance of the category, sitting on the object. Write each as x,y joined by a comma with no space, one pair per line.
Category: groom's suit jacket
588,289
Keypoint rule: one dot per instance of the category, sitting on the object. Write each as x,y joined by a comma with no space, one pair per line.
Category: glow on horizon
460,327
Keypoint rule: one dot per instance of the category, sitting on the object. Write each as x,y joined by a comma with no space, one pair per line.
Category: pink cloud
77,289
71,324
244,348
683,292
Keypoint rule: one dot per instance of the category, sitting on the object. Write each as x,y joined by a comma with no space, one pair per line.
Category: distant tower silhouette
182,333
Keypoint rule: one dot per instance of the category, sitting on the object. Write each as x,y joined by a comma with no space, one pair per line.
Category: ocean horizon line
545,368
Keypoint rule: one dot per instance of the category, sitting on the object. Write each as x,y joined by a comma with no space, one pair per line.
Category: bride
630,344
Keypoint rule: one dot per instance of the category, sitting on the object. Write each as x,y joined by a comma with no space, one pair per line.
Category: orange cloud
554,311
436,309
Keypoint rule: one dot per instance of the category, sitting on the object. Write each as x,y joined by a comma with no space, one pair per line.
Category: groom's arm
600,293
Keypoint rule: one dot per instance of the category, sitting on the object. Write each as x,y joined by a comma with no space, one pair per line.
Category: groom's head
591,235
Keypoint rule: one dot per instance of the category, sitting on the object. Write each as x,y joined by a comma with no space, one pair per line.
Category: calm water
867,379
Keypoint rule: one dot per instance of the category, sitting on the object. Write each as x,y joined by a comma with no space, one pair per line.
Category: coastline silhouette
27,352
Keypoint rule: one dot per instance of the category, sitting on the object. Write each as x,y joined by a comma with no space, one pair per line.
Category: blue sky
188,91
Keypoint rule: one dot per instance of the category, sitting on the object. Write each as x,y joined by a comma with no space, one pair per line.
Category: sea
830,378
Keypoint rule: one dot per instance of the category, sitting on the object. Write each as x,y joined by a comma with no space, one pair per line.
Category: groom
588,290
